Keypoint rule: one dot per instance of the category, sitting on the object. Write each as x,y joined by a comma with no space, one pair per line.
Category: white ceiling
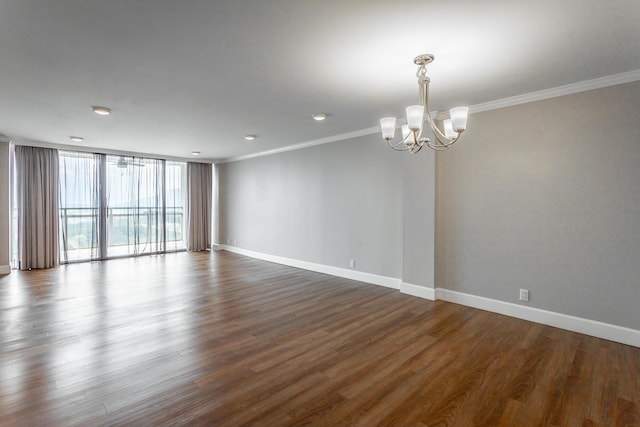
200,74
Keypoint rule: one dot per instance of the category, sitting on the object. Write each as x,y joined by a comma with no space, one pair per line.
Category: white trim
571,323
569,89
5,269
388,282
326,140
601,82
418,291
580,325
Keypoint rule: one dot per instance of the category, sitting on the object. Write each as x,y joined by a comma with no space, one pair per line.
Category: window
79,206
175,202
113,206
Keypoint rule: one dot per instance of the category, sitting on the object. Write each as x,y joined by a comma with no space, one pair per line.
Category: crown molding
326,140
602,82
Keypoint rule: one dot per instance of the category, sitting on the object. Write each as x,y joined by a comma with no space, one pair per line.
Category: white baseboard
594,328
361,276
563,321
418,291
5,269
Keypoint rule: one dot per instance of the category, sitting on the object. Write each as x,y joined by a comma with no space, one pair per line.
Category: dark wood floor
220,339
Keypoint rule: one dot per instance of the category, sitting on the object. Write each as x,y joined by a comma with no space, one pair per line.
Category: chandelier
412,133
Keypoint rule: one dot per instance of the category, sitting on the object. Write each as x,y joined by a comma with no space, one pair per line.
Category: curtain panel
135,205
37,171
79,206
199,187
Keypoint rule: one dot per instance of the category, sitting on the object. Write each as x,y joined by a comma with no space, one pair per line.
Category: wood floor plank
215,338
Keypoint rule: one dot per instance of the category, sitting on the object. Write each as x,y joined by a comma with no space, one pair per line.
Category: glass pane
143,212
134,206
79,206
175,199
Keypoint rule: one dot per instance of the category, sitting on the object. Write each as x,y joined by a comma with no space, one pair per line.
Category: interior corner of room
538,196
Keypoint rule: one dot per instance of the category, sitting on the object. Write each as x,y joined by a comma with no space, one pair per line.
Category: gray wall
543,196
546,196
418,237
5,213
325,204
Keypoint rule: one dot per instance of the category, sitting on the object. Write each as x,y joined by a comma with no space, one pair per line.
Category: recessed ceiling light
76,138
250,137
103,111
320,116
195,153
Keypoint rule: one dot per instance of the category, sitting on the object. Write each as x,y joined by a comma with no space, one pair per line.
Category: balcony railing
129,230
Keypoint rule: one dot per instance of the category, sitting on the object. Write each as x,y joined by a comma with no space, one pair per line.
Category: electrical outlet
524,295
352,263
228,241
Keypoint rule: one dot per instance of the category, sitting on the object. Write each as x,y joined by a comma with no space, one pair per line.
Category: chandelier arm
424,93
395,146
447,141
409,146
440,136
439,147
438,133
446,144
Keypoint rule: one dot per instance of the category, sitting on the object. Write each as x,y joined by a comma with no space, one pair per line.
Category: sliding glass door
135,205
79,206
114,206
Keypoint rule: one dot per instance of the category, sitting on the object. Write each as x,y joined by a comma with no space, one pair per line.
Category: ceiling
197,75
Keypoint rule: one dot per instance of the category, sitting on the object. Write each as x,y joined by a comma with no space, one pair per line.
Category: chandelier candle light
412,133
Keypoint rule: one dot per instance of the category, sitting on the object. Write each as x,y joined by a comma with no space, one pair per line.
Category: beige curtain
199,187
37,172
